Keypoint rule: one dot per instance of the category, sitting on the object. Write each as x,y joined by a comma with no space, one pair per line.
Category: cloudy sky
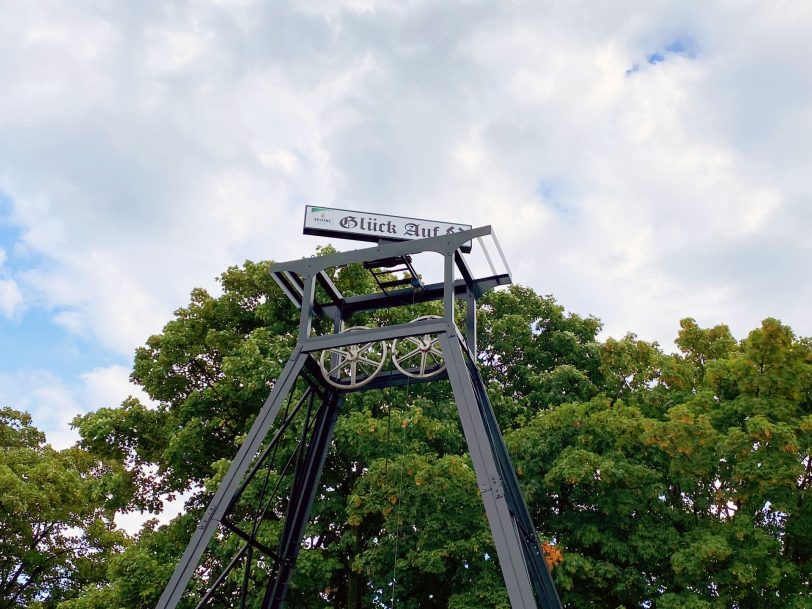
641,161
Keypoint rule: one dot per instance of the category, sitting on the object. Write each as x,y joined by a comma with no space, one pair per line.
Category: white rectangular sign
364,226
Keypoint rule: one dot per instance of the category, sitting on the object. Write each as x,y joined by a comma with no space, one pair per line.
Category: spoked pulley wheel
418,356
354,365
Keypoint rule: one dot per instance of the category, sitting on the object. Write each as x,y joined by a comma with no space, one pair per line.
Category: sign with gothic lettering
346,224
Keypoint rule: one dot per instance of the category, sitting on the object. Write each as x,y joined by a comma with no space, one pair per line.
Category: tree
655,480
688,485
55,533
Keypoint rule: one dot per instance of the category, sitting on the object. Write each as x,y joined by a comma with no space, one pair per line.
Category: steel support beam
332,341
444,244
239,466
539,574
408,296
489,478
302,494
470,322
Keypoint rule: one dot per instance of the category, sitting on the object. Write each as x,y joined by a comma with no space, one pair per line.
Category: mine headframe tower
350,361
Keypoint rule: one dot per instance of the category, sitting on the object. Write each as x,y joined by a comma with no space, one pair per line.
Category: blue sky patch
9,236
683,46
8,233
32,340
552,194
38,343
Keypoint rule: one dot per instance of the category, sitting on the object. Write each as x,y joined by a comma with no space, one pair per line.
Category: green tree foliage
687,482
55,534
661,480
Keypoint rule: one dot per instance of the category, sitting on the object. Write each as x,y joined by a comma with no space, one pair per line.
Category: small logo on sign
318,215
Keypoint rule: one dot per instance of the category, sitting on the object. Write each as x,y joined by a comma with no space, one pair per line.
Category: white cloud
11,298
281,160
148,148
109,387
53,402
50,402
170,50
132,522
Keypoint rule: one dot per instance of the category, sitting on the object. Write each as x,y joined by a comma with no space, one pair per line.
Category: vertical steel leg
303,492
540,576
470,321
230,483
490,466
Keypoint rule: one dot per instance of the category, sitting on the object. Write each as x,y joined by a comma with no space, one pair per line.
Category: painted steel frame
527,578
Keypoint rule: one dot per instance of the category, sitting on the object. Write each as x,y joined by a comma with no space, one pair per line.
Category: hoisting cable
399,486
397,498
396,509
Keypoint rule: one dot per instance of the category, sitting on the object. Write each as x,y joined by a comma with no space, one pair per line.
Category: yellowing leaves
552,555
354,520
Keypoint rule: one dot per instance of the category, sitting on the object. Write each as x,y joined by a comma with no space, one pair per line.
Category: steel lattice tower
529,583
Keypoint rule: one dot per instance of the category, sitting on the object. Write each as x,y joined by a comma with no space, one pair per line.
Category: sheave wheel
418,356
354,365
